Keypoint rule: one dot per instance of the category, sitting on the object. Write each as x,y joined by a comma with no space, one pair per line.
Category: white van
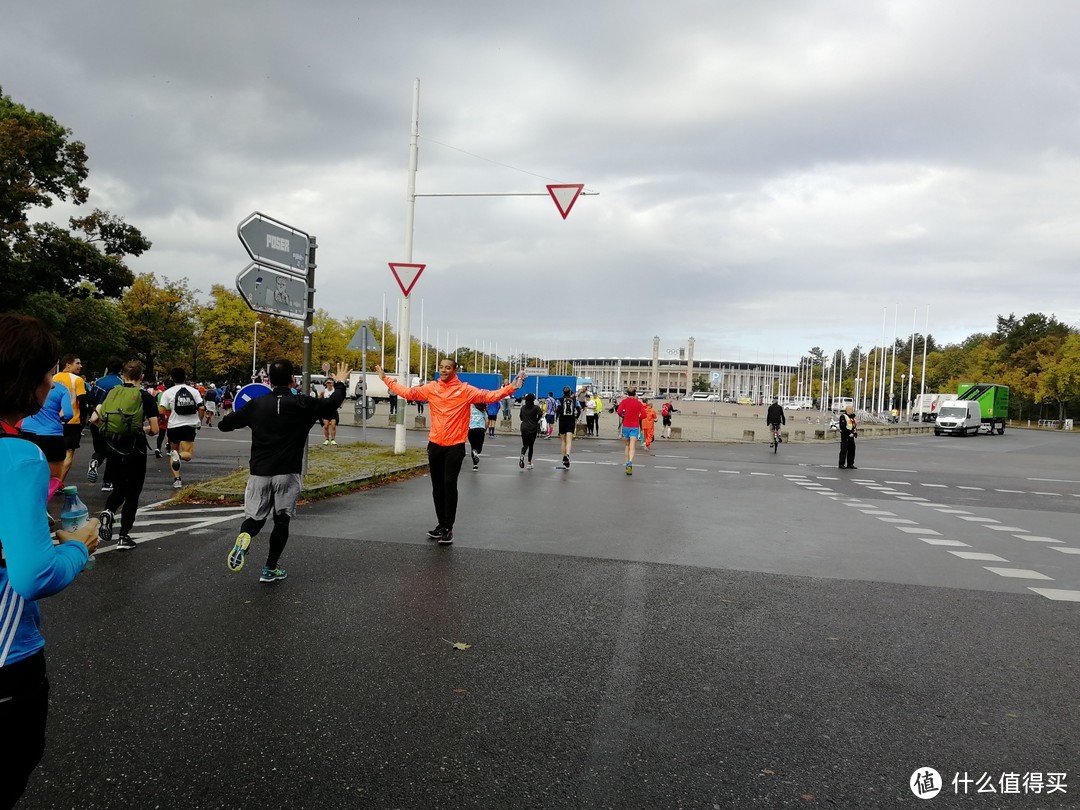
959,416
841,403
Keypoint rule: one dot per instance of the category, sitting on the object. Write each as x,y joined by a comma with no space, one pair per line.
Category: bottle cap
70,490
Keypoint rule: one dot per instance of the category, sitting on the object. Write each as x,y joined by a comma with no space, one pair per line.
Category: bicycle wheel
775,443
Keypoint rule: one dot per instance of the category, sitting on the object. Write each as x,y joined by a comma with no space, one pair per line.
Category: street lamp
254,348
903,400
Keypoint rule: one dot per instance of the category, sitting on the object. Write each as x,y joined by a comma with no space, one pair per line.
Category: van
841,403
959,416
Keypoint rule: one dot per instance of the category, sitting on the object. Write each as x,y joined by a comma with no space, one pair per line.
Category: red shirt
632,411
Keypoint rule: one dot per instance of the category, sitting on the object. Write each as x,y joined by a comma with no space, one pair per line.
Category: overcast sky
771,176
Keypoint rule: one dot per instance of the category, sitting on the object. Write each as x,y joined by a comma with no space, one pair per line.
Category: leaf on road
457,645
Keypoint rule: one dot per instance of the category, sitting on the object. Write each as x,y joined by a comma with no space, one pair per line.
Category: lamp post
254,348
903,401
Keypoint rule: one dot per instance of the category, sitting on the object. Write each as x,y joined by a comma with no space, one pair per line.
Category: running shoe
125,543
529,466
447,538
475,460
177,483
326,443
521,462
272,574
629,468
157,452
91,471
437,532
175,456
107,487
105,521
239,549
475,467
566,462
333,442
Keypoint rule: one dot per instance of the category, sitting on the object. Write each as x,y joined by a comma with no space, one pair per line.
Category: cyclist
774,418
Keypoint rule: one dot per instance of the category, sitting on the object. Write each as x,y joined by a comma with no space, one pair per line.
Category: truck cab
959,417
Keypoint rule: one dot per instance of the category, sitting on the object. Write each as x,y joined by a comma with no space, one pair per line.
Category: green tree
1060,379
161,320
39,164
96,329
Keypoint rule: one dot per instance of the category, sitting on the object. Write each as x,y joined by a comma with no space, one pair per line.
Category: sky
769,176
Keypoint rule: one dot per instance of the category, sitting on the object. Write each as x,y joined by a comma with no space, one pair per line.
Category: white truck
926,406
376,388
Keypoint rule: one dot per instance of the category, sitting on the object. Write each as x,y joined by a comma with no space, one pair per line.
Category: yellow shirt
76,386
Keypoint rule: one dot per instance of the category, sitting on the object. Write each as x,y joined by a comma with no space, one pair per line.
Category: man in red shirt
631,410
450,400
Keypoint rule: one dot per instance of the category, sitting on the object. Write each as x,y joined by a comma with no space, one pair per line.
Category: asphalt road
725,628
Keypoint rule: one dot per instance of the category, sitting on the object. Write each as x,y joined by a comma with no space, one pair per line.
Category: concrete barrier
800,435
420,422
748,435
676,432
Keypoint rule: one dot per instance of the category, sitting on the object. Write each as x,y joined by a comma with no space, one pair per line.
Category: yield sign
565,196
406,275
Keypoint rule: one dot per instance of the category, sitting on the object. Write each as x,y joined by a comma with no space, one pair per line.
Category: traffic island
331,471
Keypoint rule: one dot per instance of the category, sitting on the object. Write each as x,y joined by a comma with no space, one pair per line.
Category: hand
87,535
519,380
342,374
379,371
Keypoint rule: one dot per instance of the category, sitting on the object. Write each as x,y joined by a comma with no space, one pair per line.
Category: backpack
122,411
184,403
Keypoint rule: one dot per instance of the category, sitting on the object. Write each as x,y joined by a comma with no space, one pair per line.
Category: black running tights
278,537
527,442
445,466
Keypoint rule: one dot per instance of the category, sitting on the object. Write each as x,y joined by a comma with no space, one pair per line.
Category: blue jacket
35,567
57,410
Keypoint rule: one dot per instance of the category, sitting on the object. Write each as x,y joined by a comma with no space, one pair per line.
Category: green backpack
122,411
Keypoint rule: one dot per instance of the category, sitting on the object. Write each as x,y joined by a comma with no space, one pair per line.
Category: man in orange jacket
648,425
450,400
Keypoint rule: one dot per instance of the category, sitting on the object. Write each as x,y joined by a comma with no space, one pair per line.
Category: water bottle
74,515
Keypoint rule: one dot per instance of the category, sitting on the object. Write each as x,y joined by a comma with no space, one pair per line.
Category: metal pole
254,348
892,370
363,385
410,215
922,382
309,330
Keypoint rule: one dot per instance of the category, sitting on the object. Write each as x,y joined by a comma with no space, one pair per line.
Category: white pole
410,218
254,348
892,370
911,362
421,368
882,359
926,335
382,361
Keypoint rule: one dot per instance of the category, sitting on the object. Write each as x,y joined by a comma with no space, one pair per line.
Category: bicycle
776,438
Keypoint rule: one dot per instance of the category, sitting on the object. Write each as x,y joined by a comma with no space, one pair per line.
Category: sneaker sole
272,578
92,476
236,556
105,529
125,548
446,541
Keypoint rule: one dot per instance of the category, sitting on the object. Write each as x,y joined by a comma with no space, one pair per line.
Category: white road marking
977,519
728,472
939,486
662,467
1017,491
1058,594
1037,539
1066,549
912,530
911,498
695,469
757,473
879,512
935,541
1017,573
1058,494
980,489
978,555
1004,528
953,511
1055,480
894,519
900,483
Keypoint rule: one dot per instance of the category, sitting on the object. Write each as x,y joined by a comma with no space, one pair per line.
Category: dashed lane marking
1004,528
1017,573
1066,549
1058,594
912,530
1037,539
978,555
940,541
978,489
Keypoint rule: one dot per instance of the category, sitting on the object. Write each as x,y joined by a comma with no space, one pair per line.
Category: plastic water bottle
74,515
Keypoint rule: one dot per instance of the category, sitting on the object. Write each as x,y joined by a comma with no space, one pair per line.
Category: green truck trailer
993,401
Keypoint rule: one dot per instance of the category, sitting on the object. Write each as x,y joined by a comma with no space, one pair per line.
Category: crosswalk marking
1017,573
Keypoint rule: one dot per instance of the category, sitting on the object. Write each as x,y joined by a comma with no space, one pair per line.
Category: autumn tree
161,322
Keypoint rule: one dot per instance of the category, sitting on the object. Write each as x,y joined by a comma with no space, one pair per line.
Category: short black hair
281,372
178,375
113,365
28,351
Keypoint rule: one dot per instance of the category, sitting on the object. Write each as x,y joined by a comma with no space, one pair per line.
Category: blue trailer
544,384
489,382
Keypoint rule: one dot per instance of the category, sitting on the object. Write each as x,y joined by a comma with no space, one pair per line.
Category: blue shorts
631,433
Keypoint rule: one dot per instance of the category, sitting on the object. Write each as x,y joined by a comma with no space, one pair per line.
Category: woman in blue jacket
32,567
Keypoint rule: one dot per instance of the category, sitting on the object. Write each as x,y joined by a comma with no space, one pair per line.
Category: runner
98,393
76,386
46,428
531,416
648,426
477,417
568,409
280,422
665,413
210,400
183,406
125,417
631,411
450,400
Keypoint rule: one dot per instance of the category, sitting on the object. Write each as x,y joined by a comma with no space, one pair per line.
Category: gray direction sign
274,243
269,290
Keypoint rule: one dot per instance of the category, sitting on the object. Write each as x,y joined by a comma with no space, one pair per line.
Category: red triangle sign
406,275
565,196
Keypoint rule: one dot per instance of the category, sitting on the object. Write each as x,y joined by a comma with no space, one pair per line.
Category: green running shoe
236,556
272,574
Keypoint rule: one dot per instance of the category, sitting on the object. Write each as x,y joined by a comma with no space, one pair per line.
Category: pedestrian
184,407
33,567
531,417
630,411
419,407
124,418
393,404
210,401
330,421
648,425
506,403
76,386
46,428
450,400
549,415
666,410
478,418
97,395
848,433
568,410
592,408
492,417
280,422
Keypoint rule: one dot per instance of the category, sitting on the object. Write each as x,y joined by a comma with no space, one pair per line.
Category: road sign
272,291
406,275
248,393
362,341
565,196
275,243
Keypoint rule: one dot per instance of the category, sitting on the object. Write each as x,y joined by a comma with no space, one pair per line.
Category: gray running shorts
271,493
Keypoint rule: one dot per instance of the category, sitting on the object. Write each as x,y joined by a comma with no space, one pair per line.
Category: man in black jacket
775,417
848,434
280,422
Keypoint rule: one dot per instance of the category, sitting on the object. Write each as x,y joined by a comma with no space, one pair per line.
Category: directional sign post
275,243
272,291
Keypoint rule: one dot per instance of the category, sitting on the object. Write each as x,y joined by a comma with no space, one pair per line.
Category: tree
1060,380
161,321
96,329
39,164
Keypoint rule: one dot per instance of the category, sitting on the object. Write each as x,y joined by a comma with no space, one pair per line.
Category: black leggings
278,537
527,441
476,439
445,466
128,474
24,710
